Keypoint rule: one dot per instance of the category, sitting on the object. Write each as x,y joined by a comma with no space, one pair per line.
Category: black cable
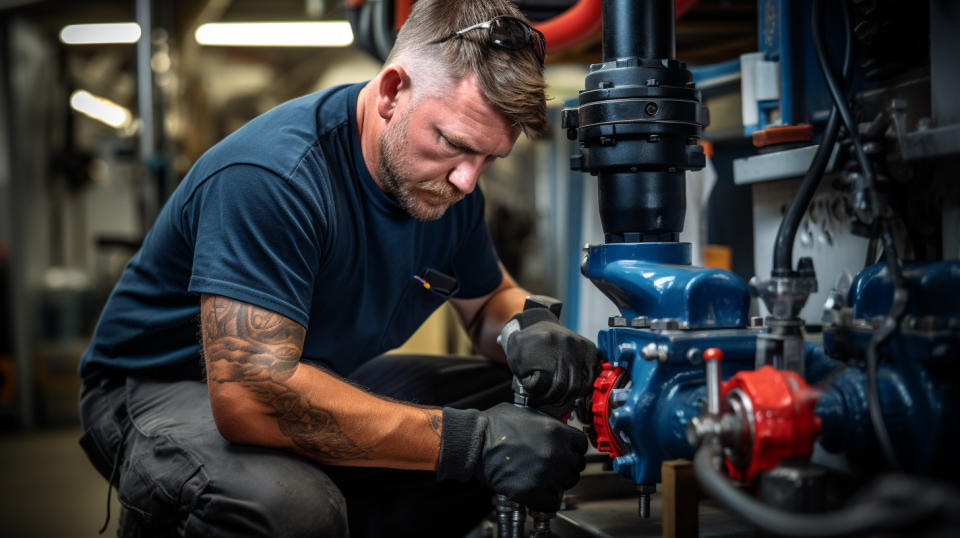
892,321
887,328
836,92
783,245
882,508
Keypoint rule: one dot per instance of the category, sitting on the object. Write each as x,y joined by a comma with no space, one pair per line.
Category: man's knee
271,501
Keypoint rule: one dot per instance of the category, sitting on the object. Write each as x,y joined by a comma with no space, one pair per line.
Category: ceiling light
275,34
100,109
98,34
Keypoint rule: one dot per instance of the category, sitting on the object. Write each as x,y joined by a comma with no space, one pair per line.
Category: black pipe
890,503
643,29
783,245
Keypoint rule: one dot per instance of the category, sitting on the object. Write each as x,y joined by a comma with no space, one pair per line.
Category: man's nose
465,175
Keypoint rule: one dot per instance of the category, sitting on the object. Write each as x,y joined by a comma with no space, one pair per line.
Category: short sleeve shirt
283,214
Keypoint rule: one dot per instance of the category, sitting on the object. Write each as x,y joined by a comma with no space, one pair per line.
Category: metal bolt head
665,324
651,109
652,82
640,322
650,352
617,321
756,321
653,139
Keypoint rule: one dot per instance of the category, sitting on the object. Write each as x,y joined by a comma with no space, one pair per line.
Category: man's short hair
512,80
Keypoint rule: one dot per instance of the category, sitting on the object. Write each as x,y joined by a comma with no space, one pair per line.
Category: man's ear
394,81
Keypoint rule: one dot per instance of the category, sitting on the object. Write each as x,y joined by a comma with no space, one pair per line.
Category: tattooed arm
261,394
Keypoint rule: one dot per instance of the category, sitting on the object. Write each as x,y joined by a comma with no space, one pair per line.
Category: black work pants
158,441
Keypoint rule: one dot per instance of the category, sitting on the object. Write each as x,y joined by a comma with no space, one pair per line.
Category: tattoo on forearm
434,421
260,350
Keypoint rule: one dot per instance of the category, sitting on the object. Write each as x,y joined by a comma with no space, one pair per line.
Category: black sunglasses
509,33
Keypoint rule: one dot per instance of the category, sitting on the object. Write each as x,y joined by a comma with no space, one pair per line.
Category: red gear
785,425
600,406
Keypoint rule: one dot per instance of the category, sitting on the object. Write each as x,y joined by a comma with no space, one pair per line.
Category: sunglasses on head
509,33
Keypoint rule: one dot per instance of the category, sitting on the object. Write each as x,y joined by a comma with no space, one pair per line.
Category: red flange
784,423
600,406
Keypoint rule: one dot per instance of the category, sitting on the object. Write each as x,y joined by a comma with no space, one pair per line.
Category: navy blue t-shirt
283,214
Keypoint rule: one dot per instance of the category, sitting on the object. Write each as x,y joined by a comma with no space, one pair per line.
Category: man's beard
400,187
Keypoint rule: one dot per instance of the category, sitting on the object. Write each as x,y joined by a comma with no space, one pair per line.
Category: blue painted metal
934,290
656,280
918,376
651,412
705,73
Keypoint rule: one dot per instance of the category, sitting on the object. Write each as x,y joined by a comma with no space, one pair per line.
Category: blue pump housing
918,372
661,394
656,280
663,384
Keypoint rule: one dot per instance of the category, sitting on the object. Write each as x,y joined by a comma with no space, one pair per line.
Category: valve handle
712,357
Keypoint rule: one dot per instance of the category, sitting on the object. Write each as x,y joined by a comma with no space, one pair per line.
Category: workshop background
99,124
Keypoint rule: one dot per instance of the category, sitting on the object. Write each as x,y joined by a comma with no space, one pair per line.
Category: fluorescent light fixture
100,109
99,34
275,34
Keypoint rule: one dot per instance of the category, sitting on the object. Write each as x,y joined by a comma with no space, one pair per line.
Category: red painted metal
582,20
785,425
603,386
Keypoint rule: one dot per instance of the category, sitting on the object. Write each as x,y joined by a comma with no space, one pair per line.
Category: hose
894,502
783,245
892,321
836,92
382,27
887,328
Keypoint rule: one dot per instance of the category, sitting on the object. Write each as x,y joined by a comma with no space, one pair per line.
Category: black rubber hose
888,327
836,92
892,321
874,512
783,245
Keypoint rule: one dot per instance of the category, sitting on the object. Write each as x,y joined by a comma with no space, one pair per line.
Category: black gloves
517,452
554,364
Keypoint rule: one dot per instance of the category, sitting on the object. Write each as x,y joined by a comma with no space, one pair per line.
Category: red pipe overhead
568,28
582,20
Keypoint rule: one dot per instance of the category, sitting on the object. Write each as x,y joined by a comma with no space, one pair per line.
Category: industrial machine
832,412
766,401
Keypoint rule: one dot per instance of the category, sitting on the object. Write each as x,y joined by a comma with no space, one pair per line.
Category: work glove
518,452
554,364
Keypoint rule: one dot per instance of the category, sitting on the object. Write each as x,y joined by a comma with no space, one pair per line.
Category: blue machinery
883,388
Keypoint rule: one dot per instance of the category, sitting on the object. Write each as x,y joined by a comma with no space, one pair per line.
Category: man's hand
517,452
554,364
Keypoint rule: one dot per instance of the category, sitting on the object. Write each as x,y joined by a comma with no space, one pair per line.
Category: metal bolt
693,141
653,139
695,356
652,82
651,109
756,321
665,324
655,352
604,84
617,321
640,322
643,505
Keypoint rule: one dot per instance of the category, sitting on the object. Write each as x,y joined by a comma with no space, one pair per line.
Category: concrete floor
49,489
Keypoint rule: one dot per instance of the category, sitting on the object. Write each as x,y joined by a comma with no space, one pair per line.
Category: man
308,243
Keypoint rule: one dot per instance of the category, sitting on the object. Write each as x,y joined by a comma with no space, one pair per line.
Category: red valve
600,406
784,423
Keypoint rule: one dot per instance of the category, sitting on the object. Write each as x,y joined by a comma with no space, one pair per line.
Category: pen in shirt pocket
436,281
